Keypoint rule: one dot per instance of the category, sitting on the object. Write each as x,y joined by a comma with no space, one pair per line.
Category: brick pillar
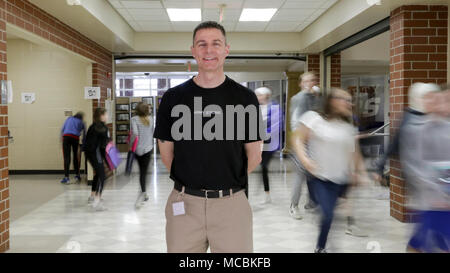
418,53
4,180
313,64
335,76
101,78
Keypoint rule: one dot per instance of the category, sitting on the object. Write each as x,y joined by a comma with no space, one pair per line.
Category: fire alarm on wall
108,74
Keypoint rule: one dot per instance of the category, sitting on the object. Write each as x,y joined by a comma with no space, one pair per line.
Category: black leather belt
206,193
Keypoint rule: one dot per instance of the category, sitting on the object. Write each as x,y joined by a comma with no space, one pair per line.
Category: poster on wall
28,98
108,107
10,91
92,93
6,92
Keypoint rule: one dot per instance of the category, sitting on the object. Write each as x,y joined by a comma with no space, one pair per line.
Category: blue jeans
326,193
432,232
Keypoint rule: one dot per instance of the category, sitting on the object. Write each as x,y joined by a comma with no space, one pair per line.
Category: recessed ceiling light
257,15
183,15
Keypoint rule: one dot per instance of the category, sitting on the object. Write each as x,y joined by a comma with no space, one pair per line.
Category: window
153,84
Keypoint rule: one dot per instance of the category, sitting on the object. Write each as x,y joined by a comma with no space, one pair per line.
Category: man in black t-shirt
209,140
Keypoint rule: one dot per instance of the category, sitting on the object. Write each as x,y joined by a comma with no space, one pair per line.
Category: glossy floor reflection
49,217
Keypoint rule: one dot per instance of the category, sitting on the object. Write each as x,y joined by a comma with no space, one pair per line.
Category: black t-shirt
202,162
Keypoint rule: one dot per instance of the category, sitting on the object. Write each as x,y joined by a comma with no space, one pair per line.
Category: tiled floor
49,217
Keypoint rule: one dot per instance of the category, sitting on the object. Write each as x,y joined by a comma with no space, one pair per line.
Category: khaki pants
224,224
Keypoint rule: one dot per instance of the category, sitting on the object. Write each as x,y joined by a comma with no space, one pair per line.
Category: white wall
255,76
58,79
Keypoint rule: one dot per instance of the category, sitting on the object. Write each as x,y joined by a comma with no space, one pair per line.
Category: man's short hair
209,24
307,74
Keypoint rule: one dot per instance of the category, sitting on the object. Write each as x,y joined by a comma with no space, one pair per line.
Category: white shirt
331,146
264,111
144,134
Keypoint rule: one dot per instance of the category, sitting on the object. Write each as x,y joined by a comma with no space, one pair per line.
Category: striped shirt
144,134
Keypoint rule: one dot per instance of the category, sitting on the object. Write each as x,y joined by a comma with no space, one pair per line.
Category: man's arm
253,151
166,151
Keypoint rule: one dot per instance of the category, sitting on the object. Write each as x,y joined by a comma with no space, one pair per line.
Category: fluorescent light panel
257,15
185,15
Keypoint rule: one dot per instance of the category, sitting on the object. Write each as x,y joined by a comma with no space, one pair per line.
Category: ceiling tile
149,12
263,4
124,13
142,4
292,14
182,4
250,26
160,17
308,4
230,4
228,15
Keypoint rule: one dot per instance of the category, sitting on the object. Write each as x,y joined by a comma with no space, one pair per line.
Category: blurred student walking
308,99
97,138
332,151
70,133
142,129
271,117
425,158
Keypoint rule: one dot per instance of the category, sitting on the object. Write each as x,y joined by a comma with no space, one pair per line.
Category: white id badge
178,208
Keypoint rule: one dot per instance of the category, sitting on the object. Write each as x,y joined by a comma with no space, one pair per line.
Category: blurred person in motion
70,133
97,138
308,99
414,110
333,153
142,129
425,158
271,117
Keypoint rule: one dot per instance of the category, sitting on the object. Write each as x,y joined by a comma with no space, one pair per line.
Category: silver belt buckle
206,193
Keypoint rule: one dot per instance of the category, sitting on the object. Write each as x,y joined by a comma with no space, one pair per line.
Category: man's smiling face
210,49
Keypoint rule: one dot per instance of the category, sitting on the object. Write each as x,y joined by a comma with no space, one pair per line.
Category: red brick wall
25,15
313,64
4,181
335,76
418,53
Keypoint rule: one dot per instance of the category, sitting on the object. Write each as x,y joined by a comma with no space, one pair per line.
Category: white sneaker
267,199
140,200
295,212
99,206
146,198
90,200
354,230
